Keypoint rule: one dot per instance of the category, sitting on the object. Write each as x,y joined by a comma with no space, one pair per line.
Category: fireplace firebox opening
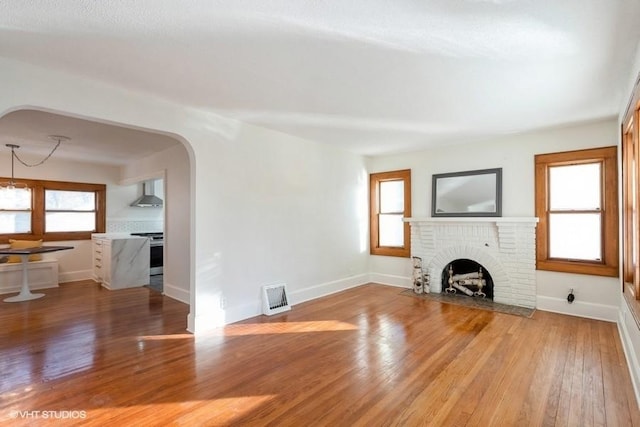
468,278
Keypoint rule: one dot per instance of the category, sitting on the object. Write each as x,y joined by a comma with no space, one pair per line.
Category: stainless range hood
148,200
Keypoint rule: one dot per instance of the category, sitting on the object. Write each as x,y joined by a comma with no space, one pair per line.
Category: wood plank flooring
368,356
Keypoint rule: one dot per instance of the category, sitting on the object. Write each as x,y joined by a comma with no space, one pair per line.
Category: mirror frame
498,193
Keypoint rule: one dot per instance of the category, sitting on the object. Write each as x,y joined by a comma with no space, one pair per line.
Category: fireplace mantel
533,220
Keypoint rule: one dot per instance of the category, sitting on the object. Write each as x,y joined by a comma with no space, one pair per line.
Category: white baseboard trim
391,280
175,292
217,317
75,276
206,322
191,322
328,288
632,360
244,311
587,310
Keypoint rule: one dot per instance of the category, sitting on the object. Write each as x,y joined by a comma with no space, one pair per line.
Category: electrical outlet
571,297
223,303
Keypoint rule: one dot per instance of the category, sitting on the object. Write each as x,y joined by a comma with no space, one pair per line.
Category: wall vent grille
275,299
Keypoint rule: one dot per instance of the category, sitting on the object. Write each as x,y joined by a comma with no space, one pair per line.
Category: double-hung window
52,211
69,210
576,203
15,210
389,203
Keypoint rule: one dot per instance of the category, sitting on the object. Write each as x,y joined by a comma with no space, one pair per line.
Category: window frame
629,136
607,156
374,211
38,212
631,199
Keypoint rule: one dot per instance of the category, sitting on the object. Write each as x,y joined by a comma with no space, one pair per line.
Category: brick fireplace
505,247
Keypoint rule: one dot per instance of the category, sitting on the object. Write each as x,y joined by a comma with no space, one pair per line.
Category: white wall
119,207
275,208
263,206
173,165
596,297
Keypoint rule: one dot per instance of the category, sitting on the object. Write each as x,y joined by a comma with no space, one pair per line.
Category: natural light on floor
164,337
284,328
195,412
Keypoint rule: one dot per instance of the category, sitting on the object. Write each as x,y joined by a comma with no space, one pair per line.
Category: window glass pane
70,221
15,199
15,222
391,229
70,200
575,236
391,196
575,187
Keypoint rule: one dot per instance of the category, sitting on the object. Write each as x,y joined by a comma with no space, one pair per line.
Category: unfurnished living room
296,213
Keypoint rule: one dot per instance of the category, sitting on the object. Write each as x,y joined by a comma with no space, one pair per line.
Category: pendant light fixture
12,184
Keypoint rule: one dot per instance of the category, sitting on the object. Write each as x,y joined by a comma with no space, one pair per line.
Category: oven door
157,249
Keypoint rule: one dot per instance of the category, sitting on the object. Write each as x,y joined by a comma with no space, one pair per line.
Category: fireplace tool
450,289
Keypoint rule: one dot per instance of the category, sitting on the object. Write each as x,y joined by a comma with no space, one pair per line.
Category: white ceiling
89,141
372,76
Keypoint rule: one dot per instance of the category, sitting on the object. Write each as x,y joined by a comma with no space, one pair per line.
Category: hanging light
12,184
12,193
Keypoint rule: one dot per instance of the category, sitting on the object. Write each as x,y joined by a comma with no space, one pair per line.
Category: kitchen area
133,163
131,252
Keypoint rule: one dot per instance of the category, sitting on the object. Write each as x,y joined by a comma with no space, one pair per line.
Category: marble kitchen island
120,260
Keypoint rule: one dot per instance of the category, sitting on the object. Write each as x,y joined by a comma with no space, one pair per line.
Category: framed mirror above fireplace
476,193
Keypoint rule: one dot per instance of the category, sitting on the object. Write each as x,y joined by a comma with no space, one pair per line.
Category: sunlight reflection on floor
195,412
164,337
283,328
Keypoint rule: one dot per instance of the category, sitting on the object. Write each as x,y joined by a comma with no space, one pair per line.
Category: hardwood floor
364,357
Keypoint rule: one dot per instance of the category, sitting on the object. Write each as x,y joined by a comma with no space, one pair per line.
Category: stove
153,235
157,251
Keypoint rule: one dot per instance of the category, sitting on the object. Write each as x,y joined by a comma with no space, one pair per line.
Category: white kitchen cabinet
97,259
121,262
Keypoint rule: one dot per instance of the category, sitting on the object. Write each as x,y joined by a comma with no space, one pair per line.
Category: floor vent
275,299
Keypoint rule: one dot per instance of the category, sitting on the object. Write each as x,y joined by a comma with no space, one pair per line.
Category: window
576,203
69,210
52,211
389,203
15,211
